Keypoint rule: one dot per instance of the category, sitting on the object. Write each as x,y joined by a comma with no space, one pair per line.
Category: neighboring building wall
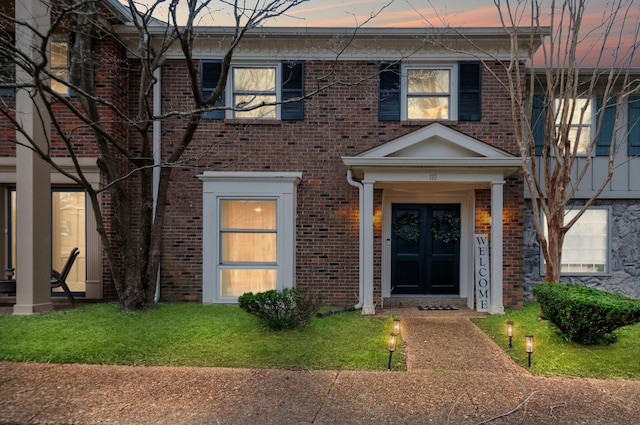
624,266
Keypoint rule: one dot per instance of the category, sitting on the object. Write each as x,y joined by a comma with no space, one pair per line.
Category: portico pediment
434,146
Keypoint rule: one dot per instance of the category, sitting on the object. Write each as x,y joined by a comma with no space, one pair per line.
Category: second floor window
583,129
60,47
577,119
428,94
278,87
253,86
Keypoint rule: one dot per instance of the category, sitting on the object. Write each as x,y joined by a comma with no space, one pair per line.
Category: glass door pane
68,227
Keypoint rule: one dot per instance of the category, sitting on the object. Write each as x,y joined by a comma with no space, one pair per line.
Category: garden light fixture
510,331
396,327
528,343
392,347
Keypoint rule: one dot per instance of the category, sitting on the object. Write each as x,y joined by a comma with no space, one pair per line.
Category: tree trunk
553,252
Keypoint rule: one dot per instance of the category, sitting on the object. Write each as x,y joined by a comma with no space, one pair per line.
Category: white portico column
496,305
366,215
33,186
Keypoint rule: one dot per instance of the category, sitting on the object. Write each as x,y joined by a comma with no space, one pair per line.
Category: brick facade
340,121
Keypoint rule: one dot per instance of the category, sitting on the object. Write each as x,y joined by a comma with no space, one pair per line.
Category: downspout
157,157
361,236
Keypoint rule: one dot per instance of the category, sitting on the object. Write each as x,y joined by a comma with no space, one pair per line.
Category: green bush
586,315
288,309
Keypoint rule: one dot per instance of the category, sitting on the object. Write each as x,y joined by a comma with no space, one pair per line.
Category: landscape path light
528,343
510,331
392,347
396,327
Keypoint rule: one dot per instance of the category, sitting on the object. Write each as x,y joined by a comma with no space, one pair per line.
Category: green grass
196,335
555,356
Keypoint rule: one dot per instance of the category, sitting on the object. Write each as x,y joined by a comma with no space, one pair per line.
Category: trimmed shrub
284,310
586,315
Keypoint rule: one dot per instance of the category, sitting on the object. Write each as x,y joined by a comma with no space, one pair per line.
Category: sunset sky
398,13
434,13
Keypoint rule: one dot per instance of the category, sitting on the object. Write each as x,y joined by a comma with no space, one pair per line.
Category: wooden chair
59,279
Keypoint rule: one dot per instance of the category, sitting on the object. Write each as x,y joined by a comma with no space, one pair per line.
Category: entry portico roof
434,147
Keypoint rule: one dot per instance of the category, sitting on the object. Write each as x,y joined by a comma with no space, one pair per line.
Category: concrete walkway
456,375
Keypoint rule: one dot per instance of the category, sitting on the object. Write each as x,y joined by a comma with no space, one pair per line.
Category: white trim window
586,245
578,117
252,86
278,87
248,233
248,245
428,93
441,92
60,47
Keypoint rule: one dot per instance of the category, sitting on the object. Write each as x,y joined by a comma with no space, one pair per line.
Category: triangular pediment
435,141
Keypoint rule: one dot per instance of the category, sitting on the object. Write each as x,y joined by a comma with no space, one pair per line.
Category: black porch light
510,331
528,344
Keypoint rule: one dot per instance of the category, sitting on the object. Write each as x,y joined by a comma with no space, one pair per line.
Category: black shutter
538,116
469,91
389,91
7,66
606,127
292,88
210,71
634,126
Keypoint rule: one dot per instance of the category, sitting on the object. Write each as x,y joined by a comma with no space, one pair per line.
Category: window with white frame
577,118
60,63
586,244
413,91
253,86
248,246
428,93
256,91
248,233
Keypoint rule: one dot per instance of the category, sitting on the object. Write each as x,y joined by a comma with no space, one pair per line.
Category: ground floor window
248,233
586,244
248,246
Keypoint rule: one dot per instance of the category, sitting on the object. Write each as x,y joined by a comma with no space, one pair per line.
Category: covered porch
435,166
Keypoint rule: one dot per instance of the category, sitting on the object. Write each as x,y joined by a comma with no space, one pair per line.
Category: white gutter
360,238
157,157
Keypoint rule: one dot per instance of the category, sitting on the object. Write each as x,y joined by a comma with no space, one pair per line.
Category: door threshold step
424,301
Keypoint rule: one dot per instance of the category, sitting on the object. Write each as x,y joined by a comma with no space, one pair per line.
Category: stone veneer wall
624,267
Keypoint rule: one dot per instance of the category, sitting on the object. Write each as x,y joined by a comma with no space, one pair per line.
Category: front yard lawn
555,356
196,335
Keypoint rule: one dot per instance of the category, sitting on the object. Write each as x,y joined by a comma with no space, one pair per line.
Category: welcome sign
483,277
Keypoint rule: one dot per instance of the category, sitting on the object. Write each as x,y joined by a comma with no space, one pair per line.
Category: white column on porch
33,186
366,215
496,305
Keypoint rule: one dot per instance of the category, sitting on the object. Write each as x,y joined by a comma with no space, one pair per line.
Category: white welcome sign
483,276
